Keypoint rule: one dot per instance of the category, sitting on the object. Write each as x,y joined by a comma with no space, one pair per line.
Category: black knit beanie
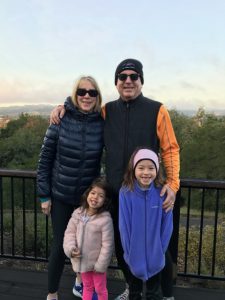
130,64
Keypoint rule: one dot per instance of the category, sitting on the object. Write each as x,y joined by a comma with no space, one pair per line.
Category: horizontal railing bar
17,173
203,183
196,276
20,257
39,259
185,182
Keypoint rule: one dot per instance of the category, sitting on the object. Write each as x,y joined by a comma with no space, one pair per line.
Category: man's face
129,89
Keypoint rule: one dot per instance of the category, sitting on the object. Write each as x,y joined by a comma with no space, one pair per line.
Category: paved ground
23,285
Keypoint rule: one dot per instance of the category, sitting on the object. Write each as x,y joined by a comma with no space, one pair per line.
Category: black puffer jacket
70,156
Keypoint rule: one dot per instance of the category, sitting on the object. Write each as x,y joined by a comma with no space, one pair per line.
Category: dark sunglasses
83,92
133,77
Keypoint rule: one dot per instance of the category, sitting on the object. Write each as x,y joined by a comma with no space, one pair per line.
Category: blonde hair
95,85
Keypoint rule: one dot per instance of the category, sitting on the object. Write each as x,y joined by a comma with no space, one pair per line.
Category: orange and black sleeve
170,151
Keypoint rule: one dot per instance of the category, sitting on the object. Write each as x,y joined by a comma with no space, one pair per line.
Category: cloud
192,87
20,92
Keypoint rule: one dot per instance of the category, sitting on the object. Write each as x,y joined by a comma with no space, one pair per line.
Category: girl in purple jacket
145,228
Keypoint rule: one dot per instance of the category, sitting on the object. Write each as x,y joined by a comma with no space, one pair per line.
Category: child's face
145,172
96,198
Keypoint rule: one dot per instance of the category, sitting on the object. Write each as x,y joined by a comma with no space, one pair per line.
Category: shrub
203,263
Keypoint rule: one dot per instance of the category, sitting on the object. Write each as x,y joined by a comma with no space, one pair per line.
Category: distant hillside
40,109
45,109
190,113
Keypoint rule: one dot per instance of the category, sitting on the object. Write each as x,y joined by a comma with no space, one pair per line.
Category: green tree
184,127
21,141
203,156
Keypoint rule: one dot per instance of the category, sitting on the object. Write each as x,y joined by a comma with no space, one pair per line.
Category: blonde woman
69,162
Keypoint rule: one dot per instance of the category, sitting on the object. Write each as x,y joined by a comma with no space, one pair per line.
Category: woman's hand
56,114
46,207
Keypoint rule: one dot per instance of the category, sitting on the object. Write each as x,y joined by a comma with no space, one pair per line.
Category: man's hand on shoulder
56,114
168,204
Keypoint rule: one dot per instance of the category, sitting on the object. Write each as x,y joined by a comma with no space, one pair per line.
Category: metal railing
197,244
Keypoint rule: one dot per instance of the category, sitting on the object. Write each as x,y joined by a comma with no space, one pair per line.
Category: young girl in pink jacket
88,239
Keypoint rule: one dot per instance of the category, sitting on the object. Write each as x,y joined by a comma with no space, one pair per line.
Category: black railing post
215,232
46,237
201,233
35,220
173,246
13,216
187,231
1,214
24,217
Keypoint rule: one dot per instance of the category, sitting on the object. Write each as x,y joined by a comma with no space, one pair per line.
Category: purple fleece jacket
145,230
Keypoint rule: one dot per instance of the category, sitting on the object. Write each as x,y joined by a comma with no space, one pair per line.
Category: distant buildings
4,121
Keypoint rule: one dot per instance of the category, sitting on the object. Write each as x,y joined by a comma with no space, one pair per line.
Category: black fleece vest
128,125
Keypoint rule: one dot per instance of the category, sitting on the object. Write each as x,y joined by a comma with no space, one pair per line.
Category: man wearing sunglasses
130,122
135,121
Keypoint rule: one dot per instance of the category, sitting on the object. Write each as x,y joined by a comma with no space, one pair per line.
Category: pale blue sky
46,44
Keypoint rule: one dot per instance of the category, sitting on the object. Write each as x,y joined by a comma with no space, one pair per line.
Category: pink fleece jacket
94,237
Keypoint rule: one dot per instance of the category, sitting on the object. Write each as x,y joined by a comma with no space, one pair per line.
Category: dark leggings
153,291
60,214
167,277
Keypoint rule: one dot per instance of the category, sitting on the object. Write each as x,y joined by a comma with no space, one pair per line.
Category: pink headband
146,154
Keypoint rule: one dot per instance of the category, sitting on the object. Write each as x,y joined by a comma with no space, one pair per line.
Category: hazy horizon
45,109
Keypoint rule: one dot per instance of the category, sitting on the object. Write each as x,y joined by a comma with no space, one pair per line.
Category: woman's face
86,102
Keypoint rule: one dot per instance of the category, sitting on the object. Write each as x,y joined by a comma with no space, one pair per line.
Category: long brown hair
101,183
129,176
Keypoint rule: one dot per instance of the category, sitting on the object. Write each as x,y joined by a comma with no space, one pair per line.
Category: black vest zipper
127,120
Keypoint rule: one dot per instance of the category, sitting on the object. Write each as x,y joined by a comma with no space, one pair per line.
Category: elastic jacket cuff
44,199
